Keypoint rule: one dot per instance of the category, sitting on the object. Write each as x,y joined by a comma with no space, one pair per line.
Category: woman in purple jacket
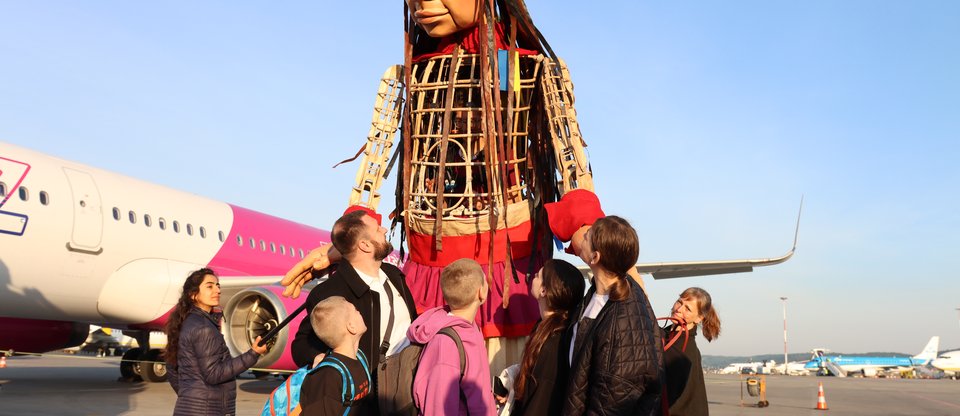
201,369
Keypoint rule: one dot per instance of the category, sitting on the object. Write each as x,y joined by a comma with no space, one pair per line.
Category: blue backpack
285,399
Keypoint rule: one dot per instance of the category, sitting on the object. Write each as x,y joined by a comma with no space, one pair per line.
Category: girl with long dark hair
200,367
686,391
616,354
541,381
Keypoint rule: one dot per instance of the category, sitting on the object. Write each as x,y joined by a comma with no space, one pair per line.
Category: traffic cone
821,402
3,361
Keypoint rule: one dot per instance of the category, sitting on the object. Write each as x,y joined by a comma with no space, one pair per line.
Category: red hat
575,209
373,214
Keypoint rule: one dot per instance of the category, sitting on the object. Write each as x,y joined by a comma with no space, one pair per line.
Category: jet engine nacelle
251,313
36,335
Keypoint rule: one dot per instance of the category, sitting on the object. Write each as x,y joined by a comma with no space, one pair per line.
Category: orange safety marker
821,402
3,361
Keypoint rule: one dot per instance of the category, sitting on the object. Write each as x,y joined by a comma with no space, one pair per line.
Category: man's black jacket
345,281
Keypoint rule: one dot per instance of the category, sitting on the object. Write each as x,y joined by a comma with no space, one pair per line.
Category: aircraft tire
152,367
128,369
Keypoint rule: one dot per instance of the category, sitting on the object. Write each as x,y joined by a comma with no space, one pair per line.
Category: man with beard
377,289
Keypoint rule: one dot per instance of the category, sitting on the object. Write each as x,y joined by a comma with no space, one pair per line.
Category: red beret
373,214
575,209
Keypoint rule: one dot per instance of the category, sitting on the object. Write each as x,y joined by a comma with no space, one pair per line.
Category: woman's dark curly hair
191,287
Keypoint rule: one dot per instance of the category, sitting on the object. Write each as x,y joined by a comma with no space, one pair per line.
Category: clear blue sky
706,123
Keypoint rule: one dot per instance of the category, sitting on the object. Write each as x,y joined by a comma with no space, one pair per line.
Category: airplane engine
35,335
251,313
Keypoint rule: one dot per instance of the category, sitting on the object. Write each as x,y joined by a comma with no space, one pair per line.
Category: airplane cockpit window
44,198
189,229
162,223
147,220
3,190
203,232
176,226
24,194
116,213
133,217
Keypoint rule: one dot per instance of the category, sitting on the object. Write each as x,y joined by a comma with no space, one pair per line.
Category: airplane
109,341
82,246
948,362
793,368
869,366
756,367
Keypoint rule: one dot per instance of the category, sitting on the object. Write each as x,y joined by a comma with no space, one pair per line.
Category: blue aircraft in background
841,366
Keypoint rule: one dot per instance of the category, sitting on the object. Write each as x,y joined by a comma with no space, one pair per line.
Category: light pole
784,300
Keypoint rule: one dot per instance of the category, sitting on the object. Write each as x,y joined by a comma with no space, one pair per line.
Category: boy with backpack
439,386
336,385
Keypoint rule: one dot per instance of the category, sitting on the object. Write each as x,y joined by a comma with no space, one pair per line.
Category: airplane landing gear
143,363
152,367
128,365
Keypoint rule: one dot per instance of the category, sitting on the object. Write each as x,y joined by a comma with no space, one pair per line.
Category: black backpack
396,374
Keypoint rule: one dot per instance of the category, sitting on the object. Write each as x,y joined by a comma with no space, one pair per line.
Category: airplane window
273,247
220,234
133,217
253,243
147,220
176,226
239,240
44,198
283,250
116,213
189,229
203,232
3,189
24,194
292,253
263,246
301,253
162,223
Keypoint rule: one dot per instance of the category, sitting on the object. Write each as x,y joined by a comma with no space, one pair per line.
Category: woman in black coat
686,391
201,369
616,359
542,380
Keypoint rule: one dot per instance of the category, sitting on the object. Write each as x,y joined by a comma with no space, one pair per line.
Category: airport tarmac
70,385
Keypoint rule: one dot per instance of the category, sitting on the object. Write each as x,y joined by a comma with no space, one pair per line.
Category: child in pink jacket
437,387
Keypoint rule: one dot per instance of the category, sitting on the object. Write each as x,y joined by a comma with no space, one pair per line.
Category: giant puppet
480,127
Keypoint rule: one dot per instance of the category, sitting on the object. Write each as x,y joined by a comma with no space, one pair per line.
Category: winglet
706,268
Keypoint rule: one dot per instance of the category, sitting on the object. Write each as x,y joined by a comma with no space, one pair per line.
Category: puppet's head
440,18
432,20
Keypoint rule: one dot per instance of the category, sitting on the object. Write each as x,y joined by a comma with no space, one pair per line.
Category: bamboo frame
467,187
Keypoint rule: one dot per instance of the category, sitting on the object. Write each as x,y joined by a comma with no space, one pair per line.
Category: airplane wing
706,268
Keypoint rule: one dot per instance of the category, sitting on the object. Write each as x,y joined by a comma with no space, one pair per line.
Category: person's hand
259,348
302,272
318,359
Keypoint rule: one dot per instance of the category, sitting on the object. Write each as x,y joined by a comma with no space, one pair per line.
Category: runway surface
68,385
